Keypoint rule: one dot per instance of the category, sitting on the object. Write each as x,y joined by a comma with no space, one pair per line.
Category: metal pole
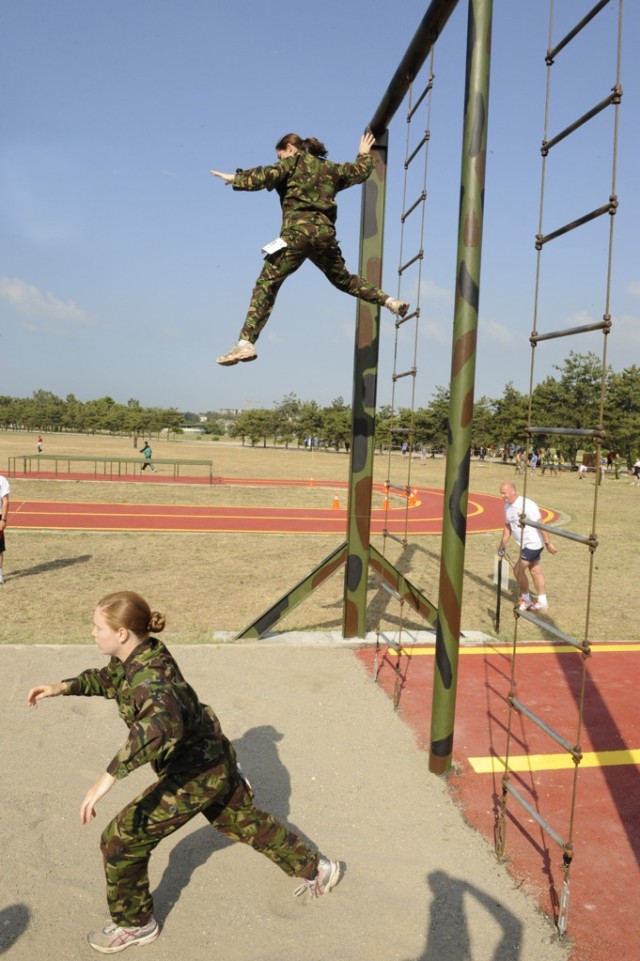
463,362
499,594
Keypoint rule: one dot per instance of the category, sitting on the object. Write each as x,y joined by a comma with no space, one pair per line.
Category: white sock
526,597
542,599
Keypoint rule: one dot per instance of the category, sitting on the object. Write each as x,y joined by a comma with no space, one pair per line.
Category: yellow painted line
554,762
524,649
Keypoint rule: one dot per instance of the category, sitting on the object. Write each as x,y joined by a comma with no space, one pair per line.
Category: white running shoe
327,876
242,351
113,938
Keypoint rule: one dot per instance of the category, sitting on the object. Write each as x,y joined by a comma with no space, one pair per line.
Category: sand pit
325,752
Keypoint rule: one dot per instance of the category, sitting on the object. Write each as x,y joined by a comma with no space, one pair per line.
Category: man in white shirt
532,542
5,490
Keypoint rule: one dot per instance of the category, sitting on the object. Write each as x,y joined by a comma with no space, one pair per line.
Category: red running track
484,513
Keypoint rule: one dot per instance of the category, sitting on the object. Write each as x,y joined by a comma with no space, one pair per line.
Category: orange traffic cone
413,498
385,504
336,503
311,482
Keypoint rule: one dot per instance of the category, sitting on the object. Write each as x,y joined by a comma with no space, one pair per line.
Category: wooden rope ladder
596,434
410,206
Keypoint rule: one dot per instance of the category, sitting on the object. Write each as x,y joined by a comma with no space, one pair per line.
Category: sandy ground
325,752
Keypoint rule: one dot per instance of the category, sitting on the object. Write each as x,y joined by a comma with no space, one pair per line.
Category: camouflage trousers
313,240
225,801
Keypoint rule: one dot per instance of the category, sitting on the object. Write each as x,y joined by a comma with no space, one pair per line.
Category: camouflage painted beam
269,618
430,28
408,593
463,365
363,411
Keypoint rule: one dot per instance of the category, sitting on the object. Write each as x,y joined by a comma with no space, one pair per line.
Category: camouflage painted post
365,382
462,384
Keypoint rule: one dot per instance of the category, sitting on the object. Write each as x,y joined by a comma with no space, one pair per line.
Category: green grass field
207,583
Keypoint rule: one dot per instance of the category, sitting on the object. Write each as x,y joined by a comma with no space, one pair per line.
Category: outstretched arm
45,690
228,178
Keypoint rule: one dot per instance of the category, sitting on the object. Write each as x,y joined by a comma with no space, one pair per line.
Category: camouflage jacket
305,184
168,726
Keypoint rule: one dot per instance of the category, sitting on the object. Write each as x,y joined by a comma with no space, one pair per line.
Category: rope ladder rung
389,641
394,537
403,320
583,646
608,208
409,263
390,590
412,156
551,54
406,373
414,206
593,433
398,487
605,325
615,97
570,748
534,814
424,93
590,540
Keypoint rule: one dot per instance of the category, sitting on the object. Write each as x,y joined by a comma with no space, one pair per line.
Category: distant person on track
307,184
5,490
532,542
195,764
39,445
146,452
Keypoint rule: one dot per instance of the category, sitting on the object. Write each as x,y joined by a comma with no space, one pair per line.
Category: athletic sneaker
1,578
113,938
523,605
537,606
327,876
242,351
398,307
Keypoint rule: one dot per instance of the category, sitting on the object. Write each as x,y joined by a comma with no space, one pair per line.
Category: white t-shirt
4,486
531,537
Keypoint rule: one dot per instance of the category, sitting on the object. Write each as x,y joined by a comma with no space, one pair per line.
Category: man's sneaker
327,876
537,606
523,605
242,351
398,307
113,938
1,578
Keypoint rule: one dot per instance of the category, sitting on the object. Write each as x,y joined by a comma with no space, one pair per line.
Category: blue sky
126,268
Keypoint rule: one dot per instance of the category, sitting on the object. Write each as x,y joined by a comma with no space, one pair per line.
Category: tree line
44,411
570,399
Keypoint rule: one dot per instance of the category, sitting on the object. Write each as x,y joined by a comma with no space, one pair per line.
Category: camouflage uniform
307,186
197,774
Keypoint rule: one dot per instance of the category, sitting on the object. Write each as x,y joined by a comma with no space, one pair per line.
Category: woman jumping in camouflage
307,184
196,766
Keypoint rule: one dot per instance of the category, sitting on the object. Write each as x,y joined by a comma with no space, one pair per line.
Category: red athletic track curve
484,513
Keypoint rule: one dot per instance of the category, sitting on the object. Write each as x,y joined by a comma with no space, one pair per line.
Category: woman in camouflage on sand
307,184
195,763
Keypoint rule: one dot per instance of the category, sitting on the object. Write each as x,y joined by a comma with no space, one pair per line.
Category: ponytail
309,145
